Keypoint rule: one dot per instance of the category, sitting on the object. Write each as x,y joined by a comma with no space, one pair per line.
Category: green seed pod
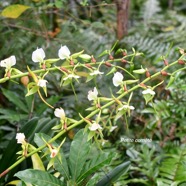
139,71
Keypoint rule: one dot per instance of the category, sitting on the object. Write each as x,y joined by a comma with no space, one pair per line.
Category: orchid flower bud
20,138
95,126
8,62
38,55
117,79
92,94
64,52
59,113
42,83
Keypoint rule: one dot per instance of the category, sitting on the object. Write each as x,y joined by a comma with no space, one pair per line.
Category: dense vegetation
106,129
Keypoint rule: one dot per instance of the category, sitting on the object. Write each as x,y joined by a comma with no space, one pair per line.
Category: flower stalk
61,133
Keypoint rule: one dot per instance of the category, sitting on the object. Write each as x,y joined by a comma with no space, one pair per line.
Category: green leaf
33,90
39,177
58,3
15,99
11,115
14,11
114,174
98,160
78,156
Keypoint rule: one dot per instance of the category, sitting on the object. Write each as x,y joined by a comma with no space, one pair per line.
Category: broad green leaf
12,115
78,156
39,177
14,11
15,99
114,174
97,161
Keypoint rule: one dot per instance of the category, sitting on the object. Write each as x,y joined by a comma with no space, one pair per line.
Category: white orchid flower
117,79
70,76
126,107
92,94
148,91
95,126
42,83
38,55
59,113
53,153
113,128
64,52
20,138
8,62
96,72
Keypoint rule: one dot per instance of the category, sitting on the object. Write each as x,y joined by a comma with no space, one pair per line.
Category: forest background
100,28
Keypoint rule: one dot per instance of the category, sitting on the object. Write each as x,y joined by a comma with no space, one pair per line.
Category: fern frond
151,7
173,169
150,46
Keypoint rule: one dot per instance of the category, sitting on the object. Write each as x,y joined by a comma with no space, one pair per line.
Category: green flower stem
82,120
44,99
2,80
178,70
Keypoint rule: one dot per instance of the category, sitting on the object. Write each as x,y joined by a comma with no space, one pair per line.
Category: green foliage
78,167
77,156
29,129
38,177
155,29
172,169
114,175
